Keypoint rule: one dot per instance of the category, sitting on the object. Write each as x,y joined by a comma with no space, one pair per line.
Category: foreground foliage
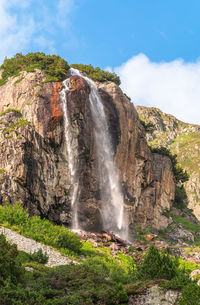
54,66
10,269
101,278
97,74
88,283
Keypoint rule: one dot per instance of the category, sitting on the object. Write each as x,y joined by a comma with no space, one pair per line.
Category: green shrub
97,74
39,257
85,284
13,214
11,110
20,123
54,66
190,295
41,230
180,197
178,282
11,271
156,265
149,127
68,240
19,295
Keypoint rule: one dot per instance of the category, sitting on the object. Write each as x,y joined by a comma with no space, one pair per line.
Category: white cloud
63,9
28,24
15,32
174,86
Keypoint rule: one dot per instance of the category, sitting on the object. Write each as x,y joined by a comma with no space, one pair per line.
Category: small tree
158,265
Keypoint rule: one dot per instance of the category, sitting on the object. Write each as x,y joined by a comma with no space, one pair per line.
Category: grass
41,230
18,81
188,155
187,225
10,110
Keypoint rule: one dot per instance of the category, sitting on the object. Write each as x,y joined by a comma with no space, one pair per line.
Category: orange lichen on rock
78,83
56,112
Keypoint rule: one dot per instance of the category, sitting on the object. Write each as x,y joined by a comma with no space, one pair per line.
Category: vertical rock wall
33,153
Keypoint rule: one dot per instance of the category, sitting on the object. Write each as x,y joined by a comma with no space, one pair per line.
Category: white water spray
72,160
111,195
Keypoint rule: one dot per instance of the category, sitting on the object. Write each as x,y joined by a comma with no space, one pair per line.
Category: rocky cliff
182,139
34,165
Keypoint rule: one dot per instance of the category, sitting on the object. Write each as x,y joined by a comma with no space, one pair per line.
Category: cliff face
34,165
182,139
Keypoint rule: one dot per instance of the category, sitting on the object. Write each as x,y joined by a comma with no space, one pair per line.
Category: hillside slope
182,139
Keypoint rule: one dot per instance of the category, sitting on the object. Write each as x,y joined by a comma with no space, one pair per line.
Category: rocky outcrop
165,126
155,296
182,139
34,165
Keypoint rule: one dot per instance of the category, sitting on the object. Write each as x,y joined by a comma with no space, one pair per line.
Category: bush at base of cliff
156,265
41,230
54,66
97,74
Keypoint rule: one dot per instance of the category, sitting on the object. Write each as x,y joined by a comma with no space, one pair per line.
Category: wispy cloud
26,24
63,9
174,86
15,32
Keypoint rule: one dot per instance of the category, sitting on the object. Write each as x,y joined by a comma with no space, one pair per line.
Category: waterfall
72,160
111,195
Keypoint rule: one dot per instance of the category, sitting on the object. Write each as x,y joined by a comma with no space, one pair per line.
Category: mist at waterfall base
112,209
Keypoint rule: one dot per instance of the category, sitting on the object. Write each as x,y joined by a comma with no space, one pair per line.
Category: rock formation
182,139
34,165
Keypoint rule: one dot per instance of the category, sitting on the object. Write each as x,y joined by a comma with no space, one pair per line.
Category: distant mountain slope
182,139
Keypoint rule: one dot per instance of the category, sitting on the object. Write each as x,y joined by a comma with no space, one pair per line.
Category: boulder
177,233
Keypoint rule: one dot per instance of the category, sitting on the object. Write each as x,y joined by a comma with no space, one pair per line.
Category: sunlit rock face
34,163
182,139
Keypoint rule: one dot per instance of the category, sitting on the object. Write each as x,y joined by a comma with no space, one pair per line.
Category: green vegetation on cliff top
54,66
97,74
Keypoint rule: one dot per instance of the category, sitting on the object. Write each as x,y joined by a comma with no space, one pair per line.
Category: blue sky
150,38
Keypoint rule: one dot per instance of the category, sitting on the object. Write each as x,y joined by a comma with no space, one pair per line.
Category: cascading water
111,195
72,160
